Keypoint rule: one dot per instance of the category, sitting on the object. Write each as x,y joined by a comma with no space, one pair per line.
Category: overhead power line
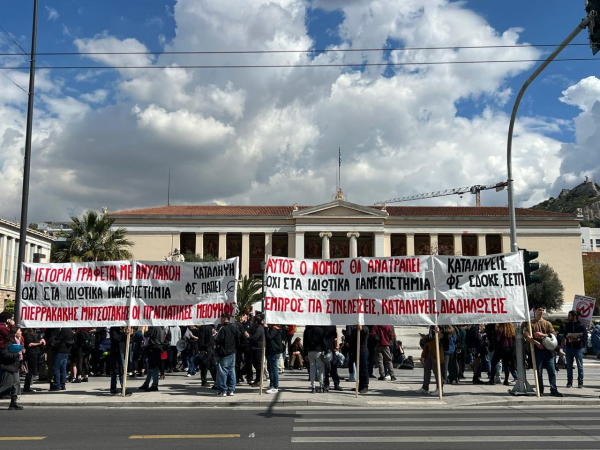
15,42
13,82
326,50
294,66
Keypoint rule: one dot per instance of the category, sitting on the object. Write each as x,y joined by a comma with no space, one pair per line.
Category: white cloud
268,136
98,96
52,13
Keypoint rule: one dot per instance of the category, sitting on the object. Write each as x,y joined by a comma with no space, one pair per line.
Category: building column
245,254
481,247
200,244
2,258
410,244
457,244
433,244
387,244
223,246
269,244
299,245
175,242
291,245
506,243
353,235
379,247
10,262
325,244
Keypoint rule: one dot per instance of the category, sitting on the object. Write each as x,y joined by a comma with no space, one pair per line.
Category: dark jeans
545,360
273,368
60,370
50,356
331,369
577,354
153,363
243,364
117,363
208,365
506,355
226,373
83,364
32,368
257,363
363,381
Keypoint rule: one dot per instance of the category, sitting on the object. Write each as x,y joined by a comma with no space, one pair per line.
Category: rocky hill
586,197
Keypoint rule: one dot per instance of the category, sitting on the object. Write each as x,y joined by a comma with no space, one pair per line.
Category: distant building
341,229
37,242
590,239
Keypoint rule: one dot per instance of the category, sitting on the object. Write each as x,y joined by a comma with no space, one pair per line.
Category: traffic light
530,267
592,7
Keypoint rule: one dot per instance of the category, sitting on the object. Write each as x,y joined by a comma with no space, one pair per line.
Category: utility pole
592,8
26,165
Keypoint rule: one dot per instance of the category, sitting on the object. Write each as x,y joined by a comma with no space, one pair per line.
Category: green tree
92,239
591,280
549,292
33,226
191,257
9,305
248,293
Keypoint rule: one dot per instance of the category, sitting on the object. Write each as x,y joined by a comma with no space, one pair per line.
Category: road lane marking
437,439
355,412
450,419
22,438
444,428
184,436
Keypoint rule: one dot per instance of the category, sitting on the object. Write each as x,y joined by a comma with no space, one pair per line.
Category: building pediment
340,208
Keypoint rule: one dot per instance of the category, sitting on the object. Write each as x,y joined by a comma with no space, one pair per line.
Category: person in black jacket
274,349
156,339
313,353
9,368
243,359
62,343
255,339
118,341
206,348
225,348
33,347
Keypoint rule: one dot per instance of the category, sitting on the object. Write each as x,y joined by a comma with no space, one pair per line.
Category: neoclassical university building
340,229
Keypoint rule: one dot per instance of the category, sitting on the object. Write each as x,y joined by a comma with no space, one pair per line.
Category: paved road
320,428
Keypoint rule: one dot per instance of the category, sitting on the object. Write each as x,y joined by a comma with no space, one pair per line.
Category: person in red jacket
6,325
384,335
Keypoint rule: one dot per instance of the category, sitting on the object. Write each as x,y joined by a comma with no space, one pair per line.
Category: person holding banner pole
538,330
430,356
362,360
119,362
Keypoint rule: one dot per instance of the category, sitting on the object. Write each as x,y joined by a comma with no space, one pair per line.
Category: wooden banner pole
357,373
533,361
437,357
126,365
262,361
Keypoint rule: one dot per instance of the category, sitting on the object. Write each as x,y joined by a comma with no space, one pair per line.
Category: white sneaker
272,391
188,375
422,391
387,378
434,393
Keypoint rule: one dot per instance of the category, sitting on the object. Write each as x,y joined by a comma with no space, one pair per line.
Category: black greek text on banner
120,293
414,290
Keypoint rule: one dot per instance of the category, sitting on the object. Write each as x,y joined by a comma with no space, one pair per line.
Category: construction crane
456,191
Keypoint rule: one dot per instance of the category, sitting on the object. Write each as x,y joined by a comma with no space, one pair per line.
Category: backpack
596,339
89,341
459,339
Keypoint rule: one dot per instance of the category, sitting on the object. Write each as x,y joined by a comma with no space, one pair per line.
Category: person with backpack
330,361
154,348
86,341
243,360
274,349
206,348
255,339
313,352
225,342
11,355
192,336
383,335
504,344
476,345
62,342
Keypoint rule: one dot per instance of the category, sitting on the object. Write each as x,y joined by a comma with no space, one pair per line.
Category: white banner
414,290
120,293
585,307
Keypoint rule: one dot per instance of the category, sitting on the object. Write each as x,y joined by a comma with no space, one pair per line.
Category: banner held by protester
127,293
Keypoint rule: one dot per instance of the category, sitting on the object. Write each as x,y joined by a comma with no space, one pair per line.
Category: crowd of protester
232,353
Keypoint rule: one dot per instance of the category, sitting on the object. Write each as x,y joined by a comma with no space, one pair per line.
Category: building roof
279,211
31,231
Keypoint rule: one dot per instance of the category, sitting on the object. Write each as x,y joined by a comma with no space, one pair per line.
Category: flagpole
339,167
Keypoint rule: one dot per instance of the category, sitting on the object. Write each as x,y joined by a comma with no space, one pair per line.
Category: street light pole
26,165
522,386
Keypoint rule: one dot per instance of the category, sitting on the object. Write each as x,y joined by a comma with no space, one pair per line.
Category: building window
445,244
211,245
280,245
257,253
493,244
188,243
31,248
398,244
422,244
469,245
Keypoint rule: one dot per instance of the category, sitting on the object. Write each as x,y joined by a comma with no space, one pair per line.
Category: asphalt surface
332,427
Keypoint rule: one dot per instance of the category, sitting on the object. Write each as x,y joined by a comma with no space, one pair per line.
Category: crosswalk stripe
495,412
445,439
442,428
184,436
444,419
22,438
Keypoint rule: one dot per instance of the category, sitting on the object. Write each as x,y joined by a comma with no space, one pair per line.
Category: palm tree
92,239
248,293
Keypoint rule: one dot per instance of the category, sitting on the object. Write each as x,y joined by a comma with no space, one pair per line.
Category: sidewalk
181,391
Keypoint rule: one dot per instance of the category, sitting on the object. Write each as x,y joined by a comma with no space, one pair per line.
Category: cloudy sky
107,137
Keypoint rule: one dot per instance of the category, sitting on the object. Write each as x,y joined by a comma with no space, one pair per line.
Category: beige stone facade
341,229
37,242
